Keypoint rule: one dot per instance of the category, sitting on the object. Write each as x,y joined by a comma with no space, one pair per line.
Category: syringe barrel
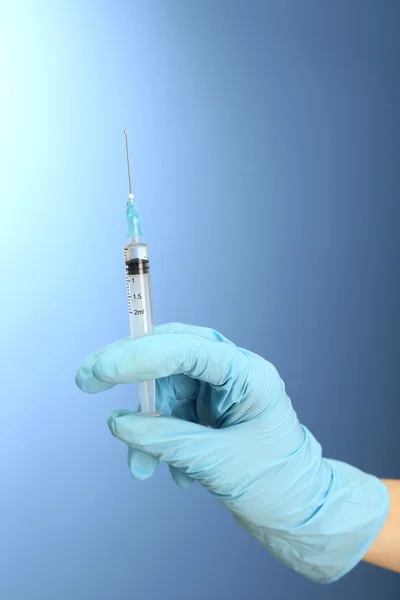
139,289
140,308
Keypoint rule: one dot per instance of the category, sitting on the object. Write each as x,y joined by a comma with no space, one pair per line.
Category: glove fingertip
88,384
141,465
181,479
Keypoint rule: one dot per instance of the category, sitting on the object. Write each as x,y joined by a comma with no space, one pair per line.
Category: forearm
385,551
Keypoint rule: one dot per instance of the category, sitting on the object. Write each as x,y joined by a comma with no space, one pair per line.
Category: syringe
138,285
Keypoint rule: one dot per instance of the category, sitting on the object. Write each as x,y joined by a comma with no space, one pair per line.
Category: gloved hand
228,423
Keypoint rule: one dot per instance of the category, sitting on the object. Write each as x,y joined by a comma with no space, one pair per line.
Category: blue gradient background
265,150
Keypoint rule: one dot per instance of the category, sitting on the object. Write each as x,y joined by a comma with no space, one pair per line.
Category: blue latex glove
234,430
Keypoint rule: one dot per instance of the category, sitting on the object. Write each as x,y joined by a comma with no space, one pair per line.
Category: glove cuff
329,517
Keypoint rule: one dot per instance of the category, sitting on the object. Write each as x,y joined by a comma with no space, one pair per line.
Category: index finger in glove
86,379
158,356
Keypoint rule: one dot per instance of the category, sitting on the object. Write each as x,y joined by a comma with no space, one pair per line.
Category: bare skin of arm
385,551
